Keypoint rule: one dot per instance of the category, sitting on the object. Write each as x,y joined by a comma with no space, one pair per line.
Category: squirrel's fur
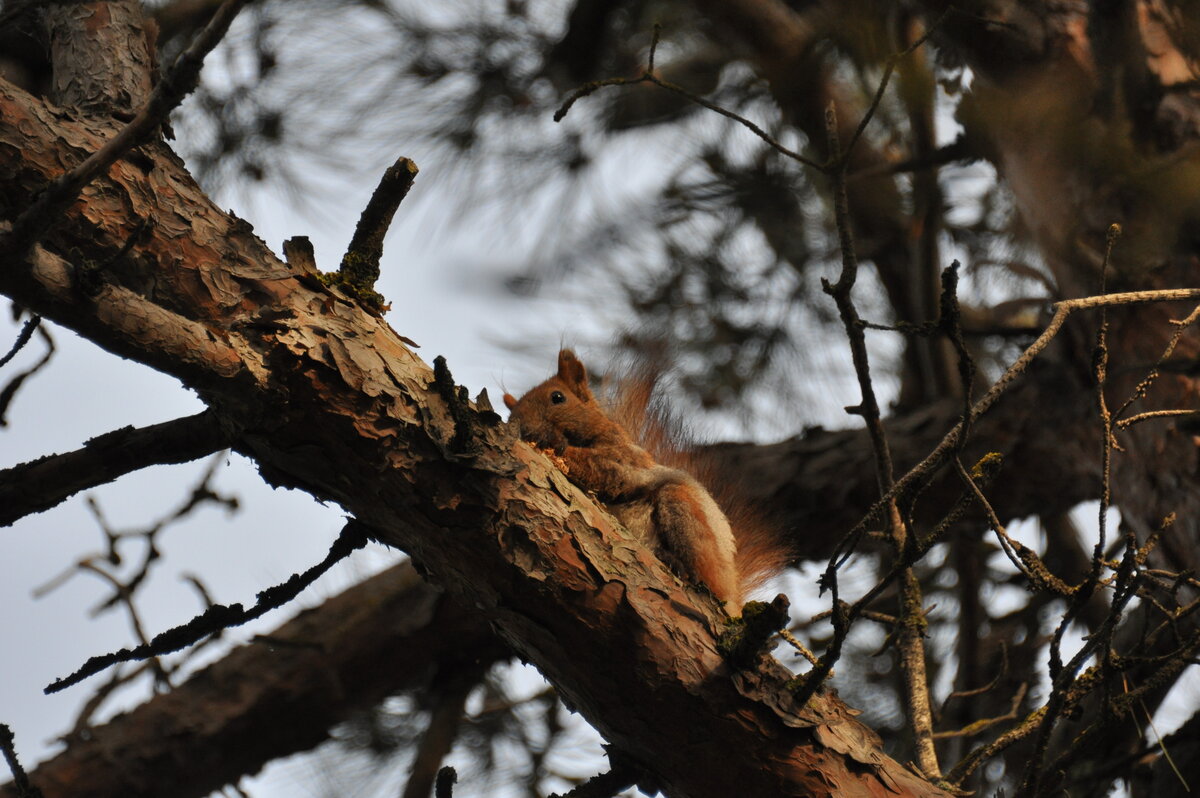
653,485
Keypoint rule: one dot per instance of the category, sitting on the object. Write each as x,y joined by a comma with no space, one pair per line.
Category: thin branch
1024,559
1144,386
984,723
124,596
963,770
119,678
22,338
803,650
840,292
888,69
170,91
9,391
113,555
1061,694
20,778
1153,414
648,76
1068,695
842,615
910,630
881,618
1033,773
221,616
1119,709
1161,745
927,468
41,484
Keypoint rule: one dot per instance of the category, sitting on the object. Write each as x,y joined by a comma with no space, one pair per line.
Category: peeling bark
101,60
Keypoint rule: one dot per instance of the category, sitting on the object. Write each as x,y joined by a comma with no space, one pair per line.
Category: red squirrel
665,507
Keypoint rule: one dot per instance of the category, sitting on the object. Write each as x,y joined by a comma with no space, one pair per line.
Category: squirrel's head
560,411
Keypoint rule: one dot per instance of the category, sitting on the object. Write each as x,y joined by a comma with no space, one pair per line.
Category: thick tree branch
101,59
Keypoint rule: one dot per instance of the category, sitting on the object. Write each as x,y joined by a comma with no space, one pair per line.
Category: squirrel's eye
557,398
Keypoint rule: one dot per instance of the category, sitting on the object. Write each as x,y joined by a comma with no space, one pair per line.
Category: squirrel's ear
572,372
510,401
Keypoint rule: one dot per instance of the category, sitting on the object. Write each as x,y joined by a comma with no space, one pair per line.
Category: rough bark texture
275,697
328,399
100,56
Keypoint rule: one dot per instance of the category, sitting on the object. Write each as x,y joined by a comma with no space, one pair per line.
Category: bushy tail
763,548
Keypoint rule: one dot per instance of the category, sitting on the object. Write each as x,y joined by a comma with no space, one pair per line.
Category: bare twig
1144,386
795,643
910,629
1153,414
106,565
1161,744
1033,772
888,69
123,594
9,391
220,616
840,292
22,338
1061,694
985,723
20,778
1120,708
963,770
1022,557
648,76
927,468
